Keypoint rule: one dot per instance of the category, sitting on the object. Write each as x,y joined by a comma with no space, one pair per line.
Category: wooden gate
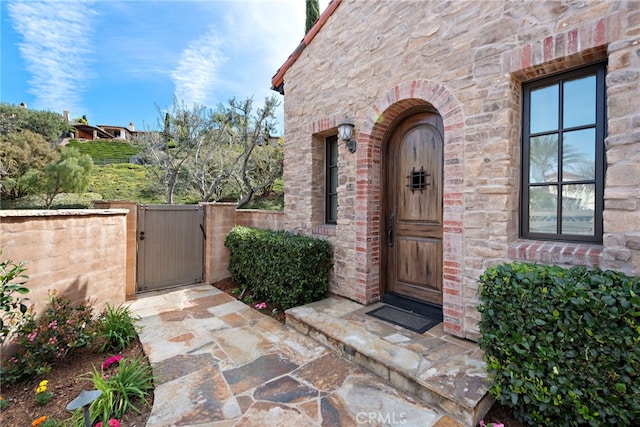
170,246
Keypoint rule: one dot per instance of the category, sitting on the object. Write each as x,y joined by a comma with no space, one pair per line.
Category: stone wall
375,60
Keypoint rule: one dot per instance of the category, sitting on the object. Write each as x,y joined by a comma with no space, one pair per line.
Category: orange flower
38,421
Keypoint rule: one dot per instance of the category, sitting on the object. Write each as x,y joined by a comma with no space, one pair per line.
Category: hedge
279,267
562,346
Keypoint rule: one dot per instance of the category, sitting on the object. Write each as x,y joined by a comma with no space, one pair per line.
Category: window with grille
331,186
563,156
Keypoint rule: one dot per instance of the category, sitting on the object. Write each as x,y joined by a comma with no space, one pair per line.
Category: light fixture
345,131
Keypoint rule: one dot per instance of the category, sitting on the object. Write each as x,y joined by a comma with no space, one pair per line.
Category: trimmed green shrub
562,346
279,267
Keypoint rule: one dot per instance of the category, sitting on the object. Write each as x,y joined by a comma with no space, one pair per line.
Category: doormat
408,320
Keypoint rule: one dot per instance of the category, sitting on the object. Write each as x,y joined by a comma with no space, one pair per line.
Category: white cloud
196,76
56,49
239,54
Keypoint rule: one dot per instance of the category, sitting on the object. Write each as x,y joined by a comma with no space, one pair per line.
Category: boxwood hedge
562,346
279,267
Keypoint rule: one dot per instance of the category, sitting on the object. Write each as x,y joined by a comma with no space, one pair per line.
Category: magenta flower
111,423
261,305
110,361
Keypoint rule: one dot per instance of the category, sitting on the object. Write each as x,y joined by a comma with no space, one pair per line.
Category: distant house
120,132
89,132
483,132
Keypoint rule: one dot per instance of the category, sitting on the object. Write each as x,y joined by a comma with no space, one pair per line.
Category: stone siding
376,60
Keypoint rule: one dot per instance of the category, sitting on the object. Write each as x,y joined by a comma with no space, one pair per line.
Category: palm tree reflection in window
573,178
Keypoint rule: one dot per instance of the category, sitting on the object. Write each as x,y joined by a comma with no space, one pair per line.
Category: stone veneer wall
78,253
374,60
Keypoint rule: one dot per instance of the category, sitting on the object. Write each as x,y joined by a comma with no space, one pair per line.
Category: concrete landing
443,371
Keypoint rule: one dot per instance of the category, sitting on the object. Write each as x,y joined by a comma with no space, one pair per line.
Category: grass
125,182
105,152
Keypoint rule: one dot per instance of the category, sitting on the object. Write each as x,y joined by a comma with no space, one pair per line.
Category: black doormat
408,320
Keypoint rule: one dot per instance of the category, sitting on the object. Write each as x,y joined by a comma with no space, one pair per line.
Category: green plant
3,404
43,396
116,328
52,422
70,173
11,306
562,346
279,267
120,387
45,339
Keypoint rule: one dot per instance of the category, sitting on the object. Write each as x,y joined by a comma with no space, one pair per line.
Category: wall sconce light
345,131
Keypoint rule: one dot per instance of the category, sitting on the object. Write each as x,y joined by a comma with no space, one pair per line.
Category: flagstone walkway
219,362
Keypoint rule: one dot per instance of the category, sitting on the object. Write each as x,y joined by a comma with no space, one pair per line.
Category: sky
118,62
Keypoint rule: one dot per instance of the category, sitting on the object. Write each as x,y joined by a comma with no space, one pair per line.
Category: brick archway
382,114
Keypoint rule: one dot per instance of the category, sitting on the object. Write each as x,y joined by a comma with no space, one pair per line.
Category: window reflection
579,155
544,109
543,213
578,209
543,159
579,102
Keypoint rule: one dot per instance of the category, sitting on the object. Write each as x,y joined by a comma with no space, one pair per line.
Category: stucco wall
374,60
78,253
255,218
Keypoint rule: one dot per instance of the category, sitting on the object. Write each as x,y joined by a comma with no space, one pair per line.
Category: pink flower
261,305
110,361
98,424
53,325
32,336
114,423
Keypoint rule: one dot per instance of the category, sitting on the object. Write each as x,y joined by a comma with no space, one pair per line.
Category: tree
69,174
20,152
169,150
236,159
313,12
258,171
212,153
15,119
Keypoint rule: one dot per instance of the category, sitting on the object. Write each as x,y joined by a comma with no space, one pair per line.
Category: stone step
444,372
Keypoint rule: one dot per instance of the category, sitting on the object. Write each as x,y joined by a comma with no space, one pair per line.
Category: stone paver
218,362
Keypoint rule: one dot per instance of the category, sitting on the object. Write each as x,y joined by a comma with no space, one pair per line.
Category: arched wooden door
412,258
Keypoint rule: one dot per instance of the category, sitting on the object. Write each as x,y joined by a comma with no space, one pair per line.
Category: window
563,156
331,186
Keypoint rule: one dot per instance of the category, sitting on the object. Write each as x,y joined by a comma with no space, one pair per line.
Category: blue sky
115,61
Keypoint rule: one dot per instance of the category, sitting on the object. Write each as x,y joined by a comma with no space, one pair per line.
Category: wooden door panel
419,269
418,176
413,216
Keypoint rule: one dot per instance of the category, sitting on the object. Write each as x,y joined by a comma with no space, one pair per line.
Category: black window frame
599,70
331,169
